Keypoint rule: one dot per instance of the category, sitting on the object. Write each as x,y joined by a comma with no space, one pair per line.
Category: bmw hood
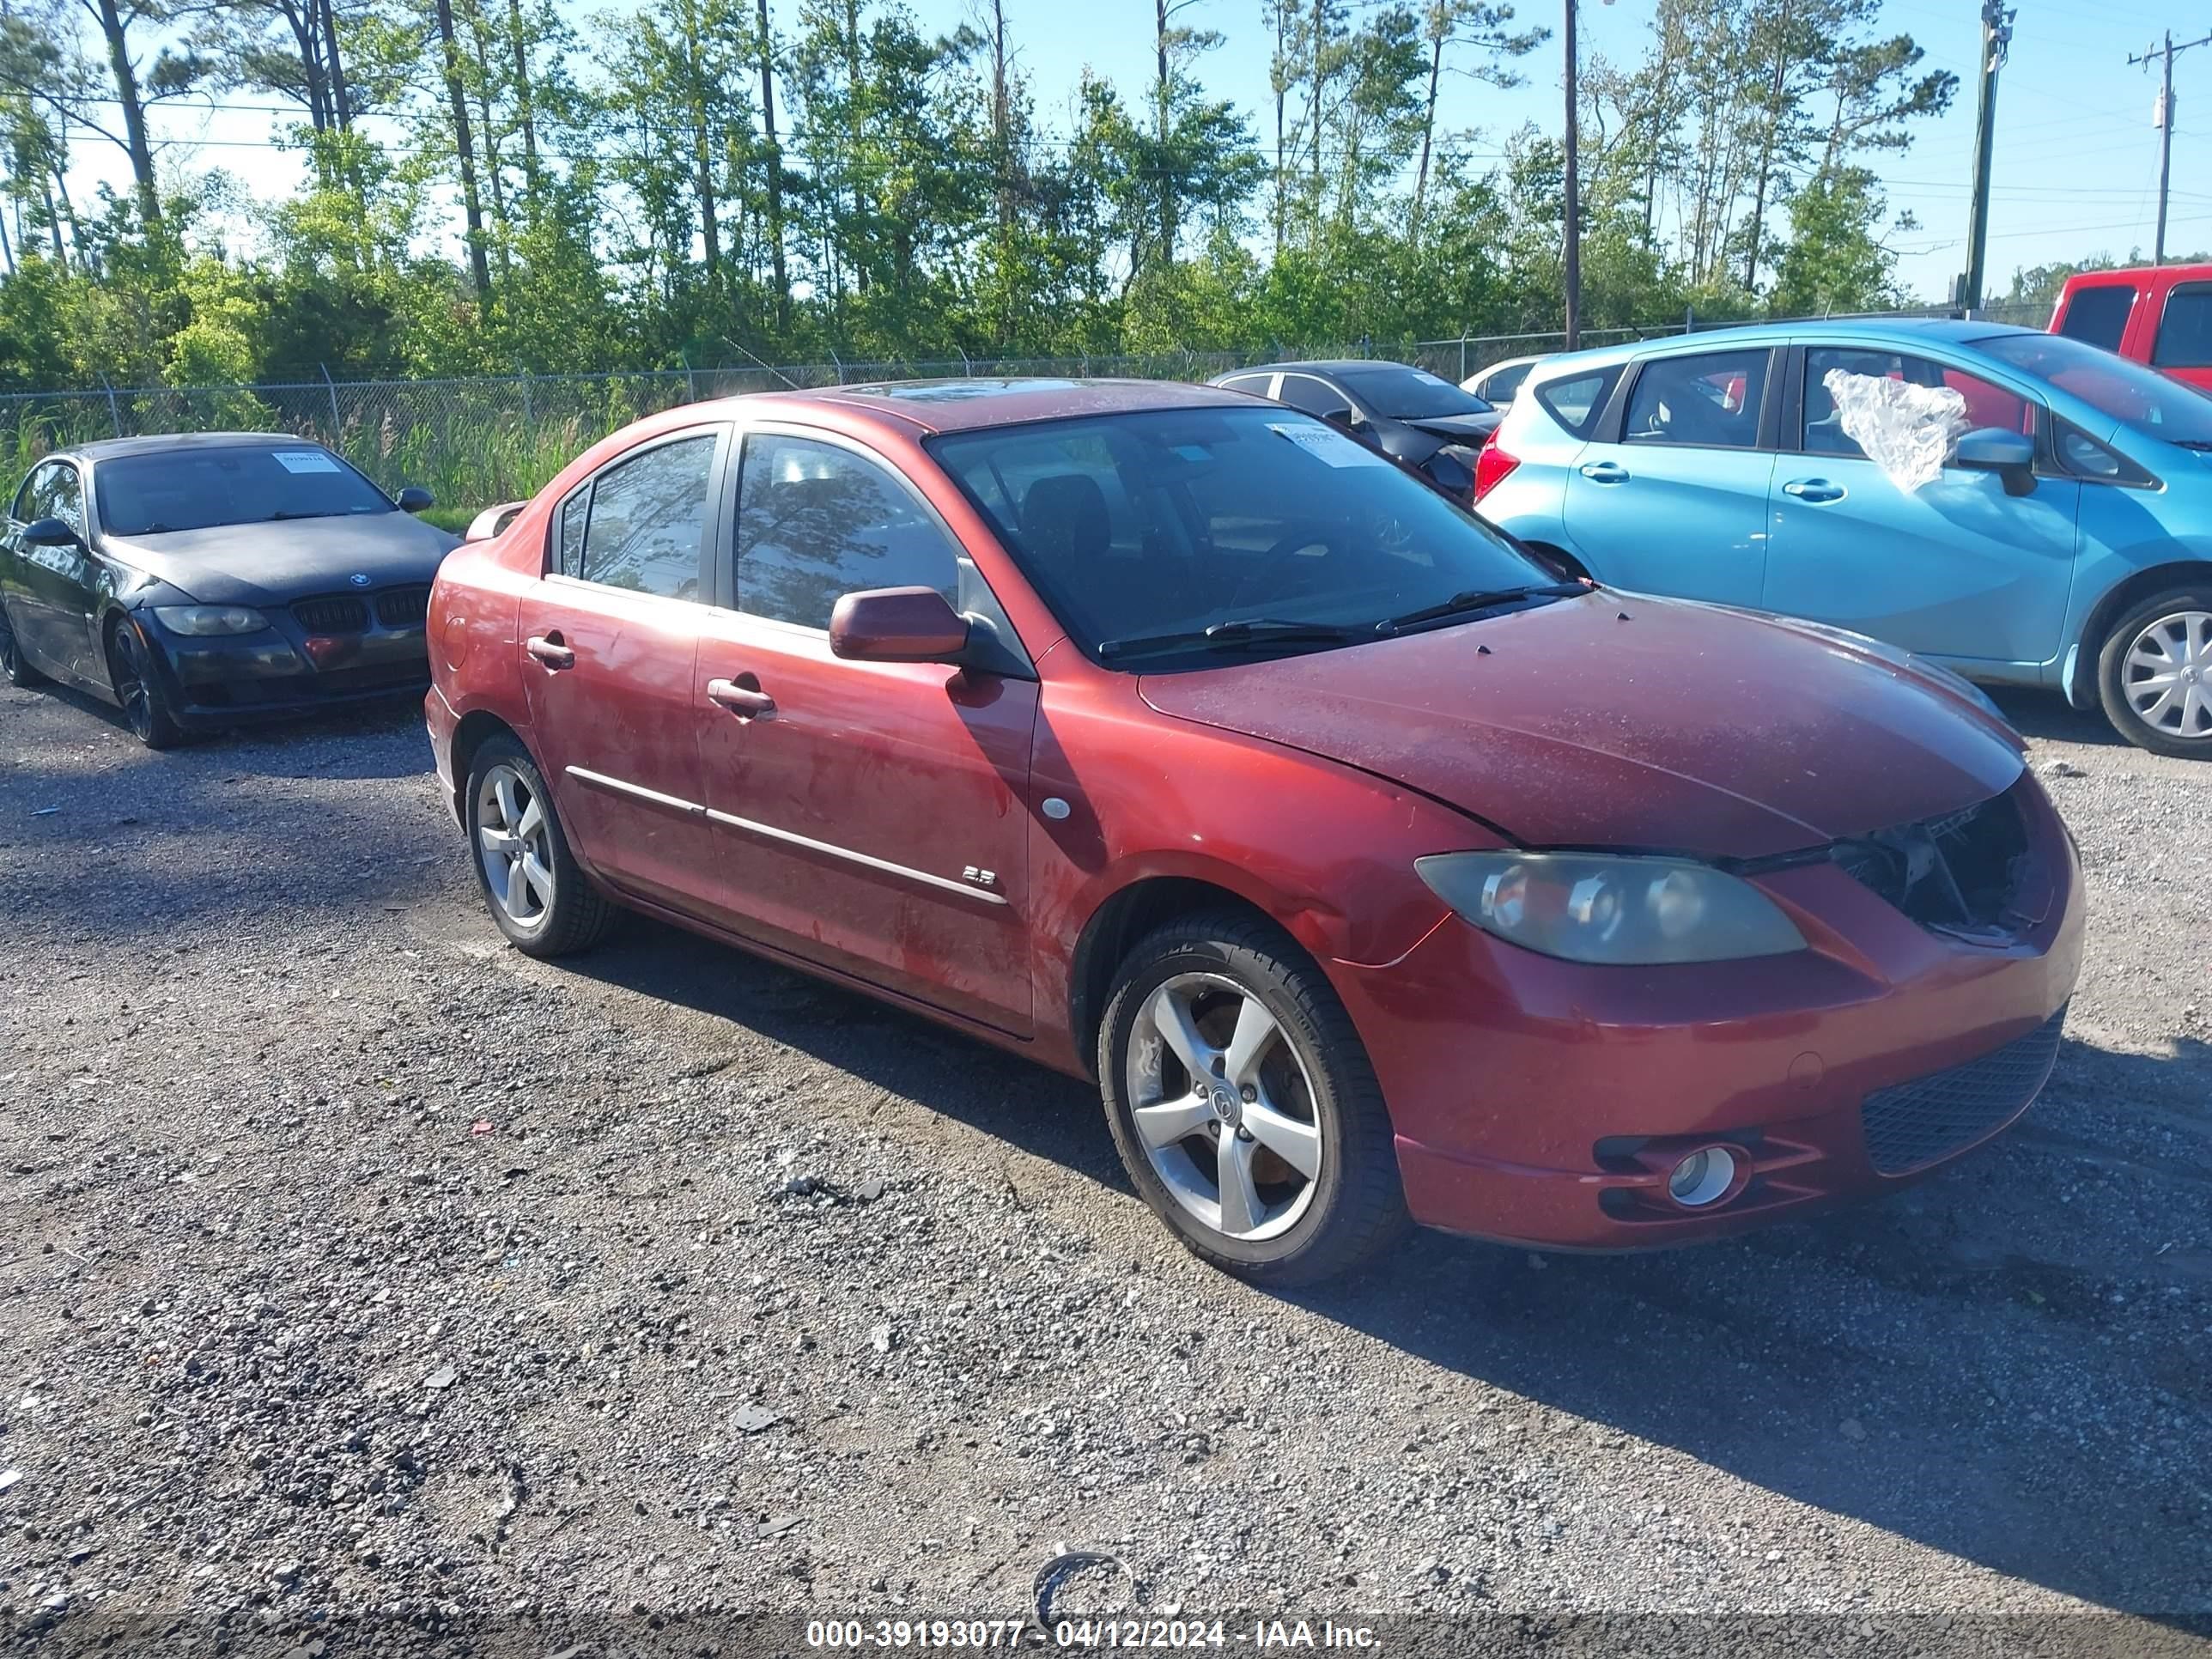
1609,720
265,564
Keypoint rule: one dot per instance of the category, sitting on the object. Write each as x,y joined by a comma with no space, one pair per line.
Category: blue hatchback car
2021,507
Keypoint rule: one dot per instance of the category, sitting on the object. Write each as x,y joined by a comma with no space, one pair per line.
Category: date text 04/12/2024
1087,1633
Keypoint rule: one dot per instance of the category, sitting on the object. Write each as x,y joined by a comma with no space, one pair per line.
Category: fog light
1703,1177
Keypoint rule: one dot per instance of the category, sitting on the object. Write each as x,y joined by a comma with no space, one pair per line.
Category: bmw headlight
1609,908
201,620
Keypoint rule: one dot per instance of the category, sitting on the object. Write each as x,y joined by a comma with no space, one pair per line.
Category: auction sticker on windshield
304,460
1326,444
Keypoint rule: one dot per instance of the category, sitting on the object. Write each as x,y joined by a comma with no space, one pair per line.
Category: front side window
1828,369
65,499
200,489
647,522
1711,399
1280,533
2098,316
1315,397
2185,333
27,498
816,521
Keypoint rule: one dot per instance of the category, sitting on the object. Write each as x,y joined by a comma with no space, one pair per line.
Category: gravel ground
356,1264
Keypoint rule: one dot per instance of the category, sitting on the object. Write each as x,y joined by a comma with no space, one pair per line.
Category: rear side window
2185,333
1255,384
2098,316
1711,399
1575,401
574,511
648,520
1500,387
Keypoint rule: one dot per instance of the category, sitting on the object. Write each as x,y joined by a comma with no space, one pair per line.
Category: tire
2169,633
136,675
505,789
14,666
1308,1081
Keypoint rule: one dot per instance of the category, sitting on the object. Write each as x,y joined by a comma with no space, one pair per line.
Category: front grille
332,613
403,607
1910,1126
1956,874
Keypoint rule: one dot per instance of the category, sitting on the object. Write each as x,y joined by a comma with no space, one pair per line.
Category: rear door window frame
1611,428
721,491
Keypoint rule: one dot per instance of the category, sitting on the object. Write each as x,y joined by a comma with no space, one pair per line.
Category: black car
209,579
1407,413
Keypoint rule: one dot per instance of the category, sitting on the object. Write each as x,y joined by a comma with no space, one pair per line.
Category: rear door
1954,567
871,816
610,636
1673,500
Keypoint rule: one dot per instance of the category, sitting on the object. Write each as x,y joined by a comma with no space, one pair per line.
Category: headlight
200,620
1598,907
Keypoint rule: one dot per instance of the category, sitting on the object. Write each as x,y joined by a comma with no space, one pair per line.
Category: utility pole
1996,41
2162,119
1574,194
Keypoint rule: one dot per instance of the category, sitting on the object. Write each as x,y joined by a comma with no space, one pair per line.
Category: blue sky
2076,167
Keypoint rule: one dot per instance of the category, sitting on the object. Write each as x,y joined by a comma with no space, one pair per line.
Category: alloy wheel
1224,1106
512,843
134,678
2167,675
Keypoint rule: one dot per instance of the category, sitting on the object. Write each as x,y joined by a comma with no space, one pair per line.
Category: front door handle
549,650
1814,489
1606,472
747,703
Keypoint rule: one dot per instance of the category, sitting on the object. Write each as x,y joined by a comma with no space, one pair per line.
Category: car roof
1324,366
2176,273
1904,332
108,449
961,405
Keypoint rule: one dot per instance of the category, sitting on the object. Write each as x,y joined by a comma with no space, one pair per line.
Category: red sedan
1182,742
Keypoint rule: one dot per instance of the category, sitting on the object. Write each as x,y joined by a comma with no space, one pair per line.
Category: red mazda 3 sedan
1182,742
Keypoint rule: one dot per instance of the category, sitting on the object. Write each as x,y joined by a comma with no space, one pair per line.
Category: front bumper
1544,1103
281,670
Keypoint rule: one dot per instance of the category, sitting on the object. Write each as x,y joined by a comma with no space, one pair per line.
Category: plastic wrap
1906,430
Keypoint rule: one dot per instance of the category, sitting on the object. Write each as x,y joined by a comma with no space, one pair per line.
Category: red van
2158,314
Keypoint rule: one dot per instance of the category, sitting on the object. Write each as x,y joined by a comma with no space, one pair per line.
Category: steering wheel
1284,549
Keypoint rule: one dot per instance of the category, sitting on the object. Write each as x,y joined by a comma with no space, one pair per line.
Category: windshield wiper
2193,443
1239,631
1476,598
282,513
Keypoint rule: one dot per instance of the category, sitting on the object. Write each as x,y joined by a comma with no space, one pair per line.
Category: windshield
1404,393
2126,391
1267,526
200,489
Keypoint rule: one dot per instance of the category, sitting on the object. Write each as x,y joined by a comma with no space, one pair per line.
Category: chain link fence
472,442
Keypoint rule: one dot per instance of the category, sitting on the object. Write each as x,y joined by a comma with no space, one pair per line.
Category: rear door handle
1814,489
747,703
549,650
1606,472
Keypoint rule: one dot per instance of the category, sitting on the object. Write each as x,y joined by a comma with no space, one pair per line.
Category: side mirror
897,624
416,499
49,532
2010,455
492,521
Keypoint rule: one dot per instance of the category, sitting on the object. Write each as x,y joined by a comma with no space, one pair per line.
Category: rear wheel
14,666
1243,1105
538,894
2154,674
136,679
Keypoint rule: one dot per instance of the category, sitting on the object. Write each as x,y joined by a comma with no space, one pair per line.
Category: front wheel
1243,1105
538,894
136,679
2154,674
14,666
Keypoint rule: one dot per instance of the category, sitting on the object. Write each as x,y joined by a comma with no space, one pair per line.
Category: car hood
275,563
1622,722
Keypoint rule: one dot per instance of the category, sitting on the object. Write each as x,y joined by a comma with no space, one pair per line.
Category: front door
1955,566
872,817
610,636
1676,503
55,596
